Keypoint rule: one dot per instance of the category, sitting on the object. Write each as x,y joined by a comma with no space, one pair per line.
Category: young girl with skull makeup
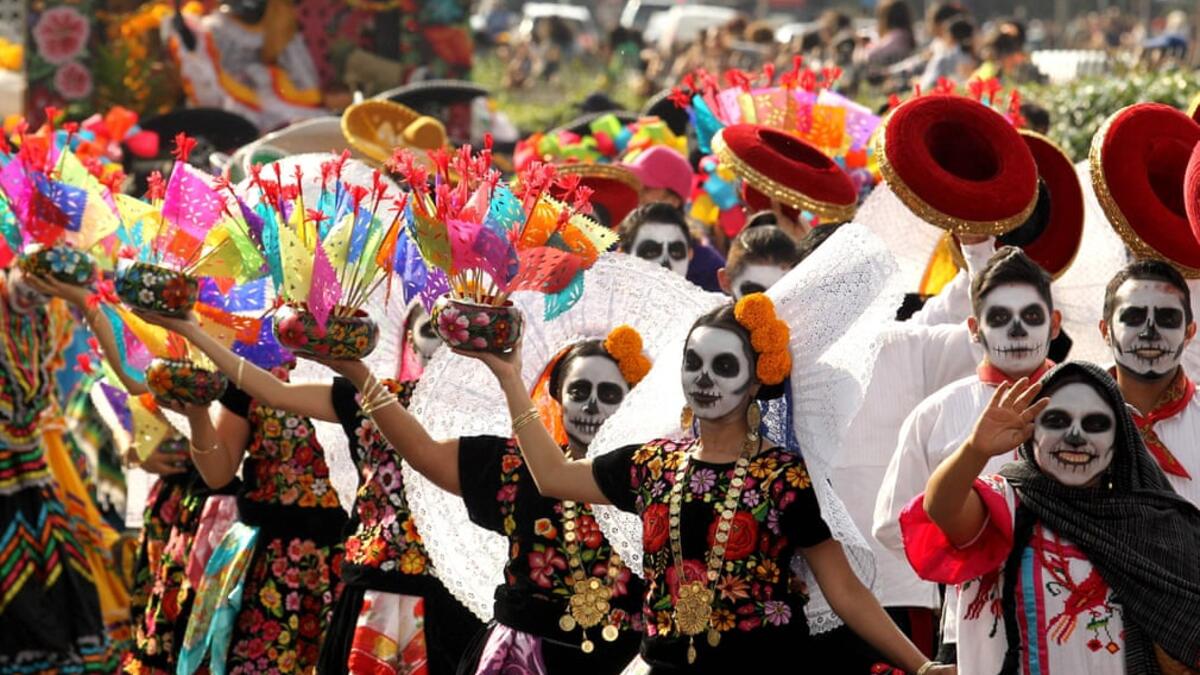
722,514
1148,324
1080,557
568,603
758,257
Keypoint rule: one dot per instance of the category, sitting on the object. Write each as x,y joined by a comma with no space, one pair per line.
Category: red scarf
1171,403
989,374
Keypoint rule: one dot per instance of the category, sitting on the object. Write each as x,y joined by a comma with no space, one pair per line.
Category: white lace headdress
458,396
835,303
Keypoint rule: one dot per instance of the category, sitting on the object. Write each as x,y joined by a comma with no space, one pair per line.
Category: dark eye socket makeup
998,316
649,250
726,365
580,390
610,393
1097,423
677,250
1033,315
692,360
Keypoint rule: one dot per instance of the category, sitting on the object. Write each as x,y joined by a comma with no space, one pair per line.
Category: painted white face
1074,437
664,244
1015,328
755,279
592,390
716,372
1148,330
425,339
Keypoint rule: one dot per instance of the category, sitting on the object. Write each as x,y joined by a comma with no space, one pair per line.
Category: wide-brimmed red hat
1053,233
1191,191
1138,160
957,164
616,189
777,166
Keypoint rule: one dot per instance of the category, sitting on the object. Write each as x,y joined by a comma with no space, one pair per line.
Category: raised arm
1007,422
306,399
436,460
217,450
97,322
554,473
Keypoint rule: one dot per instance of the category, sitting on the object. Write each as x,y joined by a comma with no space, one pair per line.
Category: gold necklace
590,596
693,609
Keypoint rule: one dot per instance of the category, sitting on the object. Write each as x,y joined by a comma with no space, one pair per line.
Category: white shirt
1181,435
934,430
916,358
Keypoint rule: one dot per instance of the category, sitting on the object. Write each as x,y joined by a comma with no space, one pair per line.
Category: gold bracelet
379,403
241,366
927,666
524,419
198,451
370,393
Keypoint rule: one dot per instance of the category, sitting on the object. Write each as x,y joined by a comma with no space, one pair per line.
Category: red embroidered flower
542,565
589,532
60,34
1095,645
743,535
73,81
655,522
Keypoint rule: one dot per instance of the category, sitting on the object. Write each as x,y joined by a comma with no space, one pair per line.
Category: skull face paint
716,372
664,244
592,390
424,339
1148,329
755,279
1014,327
1074,437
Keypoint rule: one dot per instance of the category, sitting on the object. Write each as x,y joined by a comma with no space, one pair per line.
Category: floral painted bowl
64,263
479,328
177,381
344,337
157,289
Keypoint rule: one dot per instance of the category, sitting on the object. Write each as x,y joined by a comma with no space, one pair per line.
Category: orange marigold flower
623,342
773,367
634,369
772,337
753,311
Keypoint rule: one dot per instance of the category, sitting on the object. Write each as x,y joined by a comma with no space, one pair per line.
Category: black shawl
1141,536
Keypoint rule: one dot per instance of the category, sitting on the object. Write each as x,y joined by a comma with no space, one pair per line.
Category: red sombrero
616,189
1138,159
777,166
957,164
1191,191
1055,230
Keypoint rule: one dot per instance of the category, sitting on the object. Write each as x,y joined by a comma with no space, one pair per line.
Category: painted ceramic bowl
157,289
481,328
68,265
177,381
353,336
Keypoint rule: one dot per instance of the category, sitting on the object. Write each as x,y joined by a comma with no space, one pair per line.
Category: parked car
684,23
578,19
637,13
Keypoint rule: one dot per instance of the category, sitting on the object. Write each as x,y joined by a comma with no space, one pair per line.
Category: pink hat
662,167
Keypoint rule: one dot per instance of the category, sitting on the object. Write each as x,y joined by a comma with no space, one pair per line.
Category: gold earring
753,420
686,417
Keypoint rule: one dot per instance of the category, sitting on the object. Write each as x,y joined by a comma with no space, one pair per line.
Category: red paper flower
183,147
156,187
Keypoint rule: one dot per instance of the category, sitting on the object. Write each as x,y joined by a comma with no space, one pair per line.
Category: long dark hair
723,317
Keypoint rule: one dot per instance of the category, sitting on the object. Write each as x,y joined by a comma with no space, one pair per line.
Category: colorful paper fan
488,240
330,226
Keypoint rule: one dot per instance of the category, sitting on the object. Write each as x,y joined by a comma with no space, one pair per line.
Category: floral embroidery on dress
386,537
288,466
753,590
285,608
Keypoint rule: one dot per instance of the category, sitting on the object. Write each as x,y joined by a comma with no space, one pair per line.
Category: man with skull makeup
658,233
1014,321
1148,323
1078,557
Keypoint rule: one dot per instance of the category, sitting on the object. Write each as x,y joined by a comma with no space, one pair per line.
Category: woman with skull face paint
1084,554
758,257
568,604
1148,324
722,514
386,570
658,233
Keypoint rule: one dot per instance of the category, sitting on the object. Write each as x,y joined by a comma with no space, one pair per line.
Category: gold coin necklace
589,604
693,609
